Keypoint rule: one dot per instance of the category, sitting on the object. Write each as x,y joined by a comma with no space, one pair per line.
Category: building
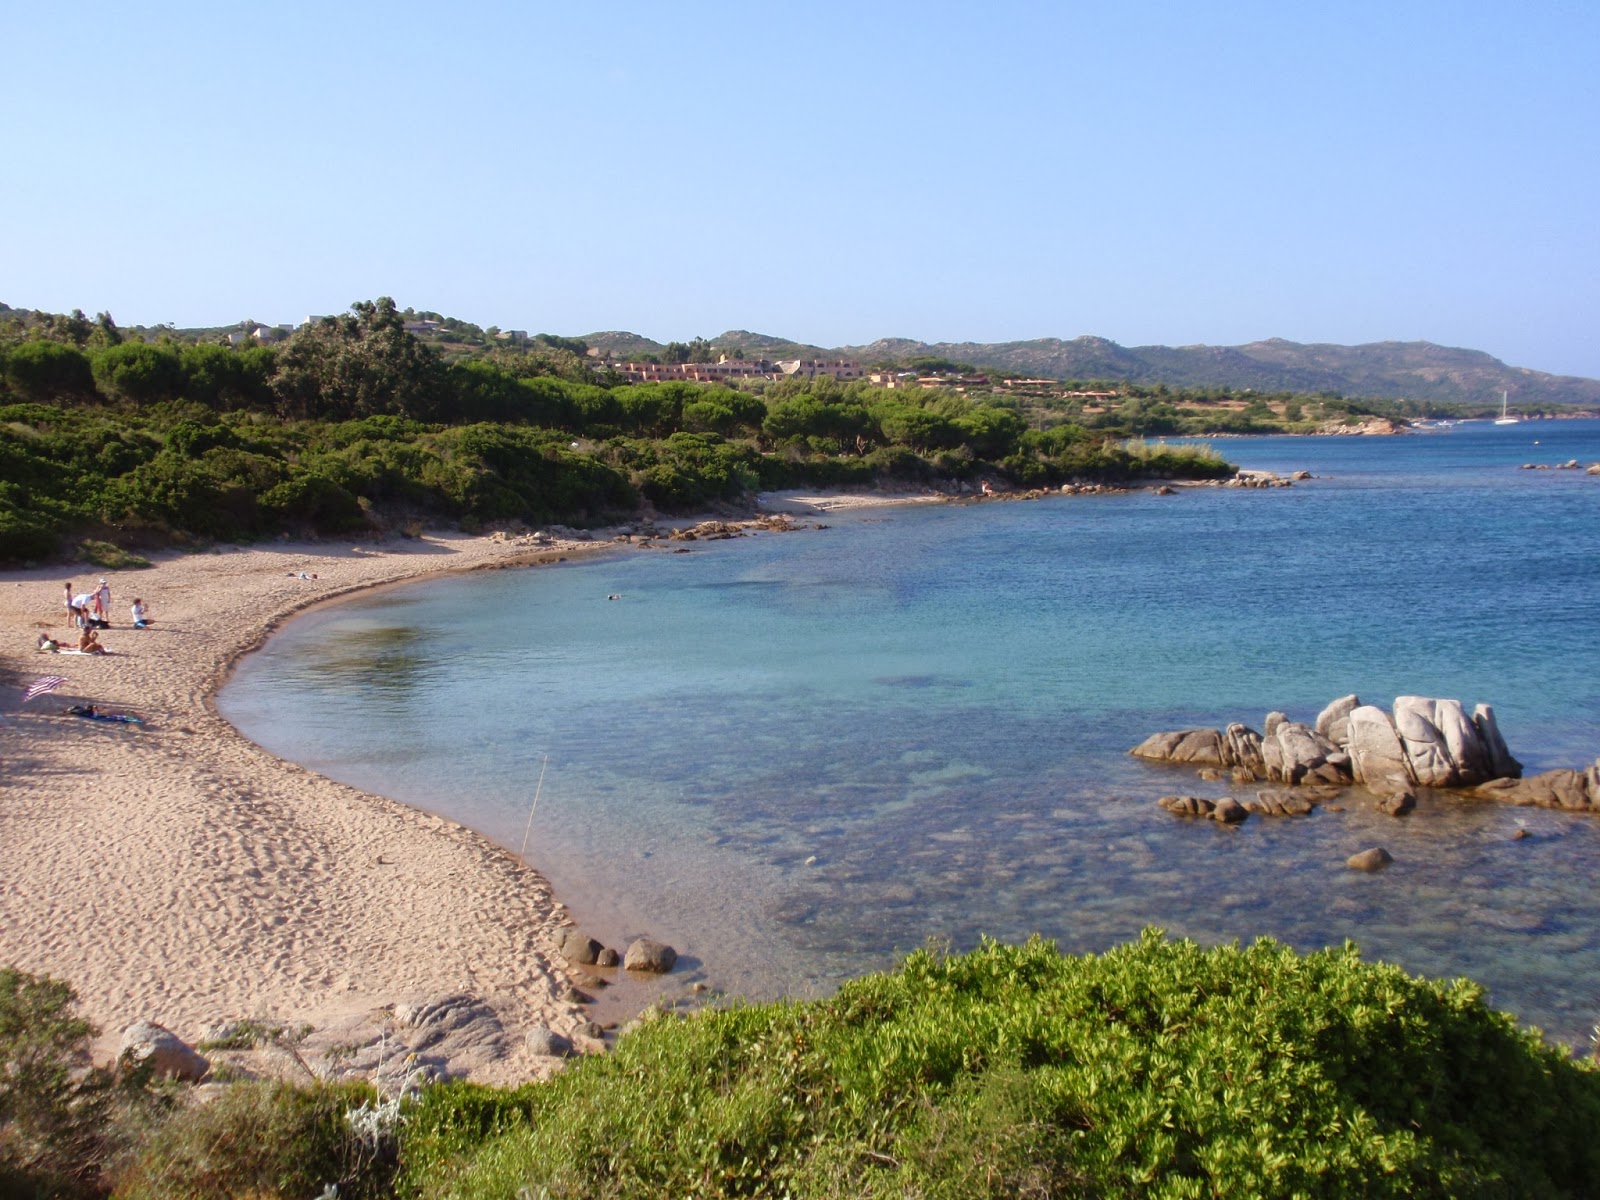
808,368
724,370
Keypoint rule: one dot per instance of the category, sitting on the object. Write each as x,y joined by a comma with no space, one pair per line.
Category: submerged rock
1374,859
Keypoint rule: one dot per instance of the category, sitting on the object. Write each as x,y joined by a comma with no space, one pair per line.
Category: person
82,610
89,642
46,642
141,619
102,603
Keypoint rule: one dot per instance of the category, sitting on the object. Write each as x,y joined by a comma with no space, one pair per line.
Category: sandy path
178,872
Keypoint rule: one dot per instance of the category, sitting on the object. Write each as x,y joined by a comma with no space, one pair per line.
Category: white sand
177,872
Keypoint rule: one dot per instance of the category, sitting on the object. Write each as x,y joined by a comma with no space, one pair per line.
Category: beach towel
89,713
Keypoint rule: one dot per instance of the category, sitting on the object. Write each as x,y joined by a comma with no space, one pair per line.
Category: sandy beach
176,872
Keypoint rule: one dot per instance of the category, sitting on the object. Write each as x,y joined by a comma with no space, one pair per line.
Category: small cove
934,707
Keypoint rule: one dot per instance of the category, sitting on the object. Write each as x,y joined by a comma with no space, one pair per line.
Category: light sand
177,872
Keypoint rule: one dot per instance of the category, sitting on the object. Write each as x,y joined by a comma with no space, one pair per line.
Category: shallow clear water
936,704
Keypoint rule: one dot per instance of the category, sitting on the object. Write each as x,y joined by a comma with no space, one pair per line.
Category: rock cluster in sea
1422,742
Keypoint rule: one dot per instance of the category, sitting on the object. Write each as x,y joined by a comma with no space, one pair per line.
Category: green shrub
261,1141
52,1108
110,557
1159,1069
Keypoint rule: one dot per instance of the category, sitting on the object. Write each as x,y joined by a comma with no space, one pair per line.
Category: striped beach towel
40,686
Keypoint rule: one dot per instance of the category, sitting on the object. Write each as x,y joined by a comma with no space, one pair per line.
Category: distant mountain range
1388,370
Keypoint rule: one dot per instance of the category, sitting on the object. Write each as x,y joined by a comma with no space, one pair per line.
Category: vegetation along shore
325,956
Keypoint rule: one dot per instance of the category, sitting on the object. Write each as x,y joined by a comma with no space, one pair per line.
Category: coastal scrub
1158,1069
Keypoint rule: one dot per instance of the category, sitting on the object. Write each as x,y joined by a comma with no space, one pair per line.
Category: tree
138,372
45,371
358,365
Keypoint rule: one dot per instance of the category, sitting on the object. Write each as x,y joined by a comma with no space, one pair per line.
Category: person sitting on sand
46,642
89,642
141,619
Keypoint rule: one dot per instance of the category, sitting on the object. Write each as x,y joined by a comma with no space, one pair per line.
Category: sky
1172,173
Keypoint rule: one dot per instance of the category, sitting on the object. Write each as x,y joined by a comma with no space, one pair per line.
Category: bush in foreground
1159,1069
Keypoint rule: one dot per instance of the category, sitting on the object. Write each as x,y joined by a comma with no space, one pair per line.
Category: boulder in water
1374,859
1202,747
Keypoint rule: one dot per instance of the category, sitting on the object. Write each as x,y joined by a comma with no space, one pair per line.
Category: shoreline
175,871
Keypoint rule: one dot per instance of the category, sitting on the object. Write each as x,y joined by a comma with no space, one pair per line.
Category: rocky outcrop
1501,764
1241,749
1424,743
1333,722
147,1046
1202,747
1296,753
1577,790
1377,757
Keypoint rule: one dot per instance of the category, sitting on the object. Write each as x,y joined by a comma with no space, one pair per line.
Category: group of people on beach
90,612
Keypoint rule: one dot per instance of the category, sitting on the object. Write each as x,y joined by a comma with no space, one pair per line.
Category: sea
797,756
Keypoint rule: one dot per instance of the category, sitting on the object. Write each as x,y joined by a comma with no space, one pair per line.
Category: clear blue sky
834,173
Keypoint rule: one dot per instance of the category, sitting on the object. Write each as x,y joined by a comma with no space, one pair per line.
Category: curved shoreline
178,872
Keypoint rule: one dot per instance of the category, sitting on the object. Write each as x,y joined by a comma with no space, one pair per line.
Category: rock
148,1046
547,1042
647,955
1187,806
449,1024
1442,745
1280,804
1244,775
1397,804
1570,465
1199,746
1520,834
1594,470
1164,490
1550,789
1229,811
1241,747
1295,753
1274,719
1370,860
1211,774
606,958
1300,476
579,948
1501,764
1376,752
1333,722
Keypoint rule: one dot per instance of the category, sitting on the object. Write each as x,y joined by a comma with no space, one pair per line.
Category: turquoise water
935,703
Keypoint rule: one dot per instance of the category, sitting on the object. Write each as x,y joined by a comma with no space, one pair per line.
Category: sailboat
1504,418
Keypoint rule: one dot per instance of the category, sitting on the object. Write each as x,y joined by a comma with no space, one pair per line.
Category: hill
1388,370
1418,371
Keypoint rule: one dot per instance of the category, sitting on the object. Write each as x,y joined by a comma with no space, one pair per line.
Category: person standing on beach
72,609
102,602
